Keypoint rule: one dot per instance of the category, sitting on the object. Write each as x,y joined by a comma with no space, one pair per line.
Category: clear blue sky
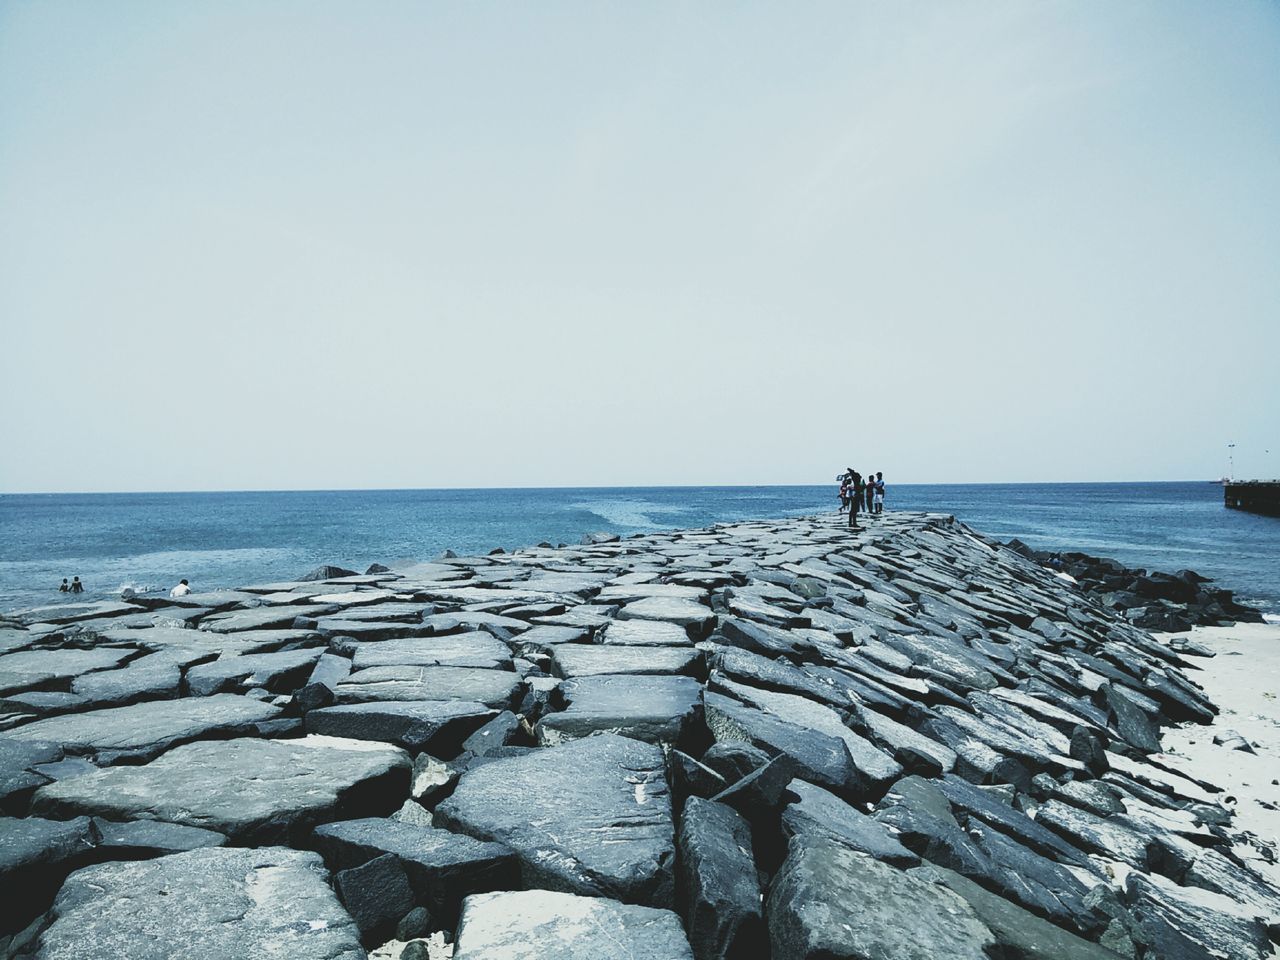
286,245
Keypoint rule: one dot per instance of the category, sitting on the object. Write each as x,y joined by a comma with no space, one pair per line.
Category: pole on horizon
1231,461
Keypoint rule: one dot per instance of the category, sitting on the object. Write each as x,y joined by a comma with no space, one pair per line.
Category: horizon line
655,486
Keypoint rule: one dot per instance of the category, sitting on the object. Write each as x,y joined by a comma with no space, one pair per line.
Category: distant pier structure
1255,496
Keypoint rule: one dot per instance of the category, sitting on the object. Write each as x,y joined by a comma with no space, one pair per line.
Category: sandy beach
1243,679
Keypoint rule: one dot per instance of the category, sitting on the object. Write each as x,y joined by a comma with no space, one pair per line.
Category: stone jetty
773,739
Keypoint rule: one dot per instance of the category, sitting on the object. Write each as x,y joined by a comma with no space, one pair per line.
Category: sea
148,541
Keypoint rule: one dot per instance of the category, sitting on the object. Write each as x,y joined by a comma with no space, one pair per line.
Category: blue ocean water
150,541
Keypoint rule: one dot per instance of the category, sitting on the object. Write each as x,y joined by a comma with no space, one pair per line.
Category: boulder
658,709
441,867
719,894
493,688
643,633
436,726
594,817
535,924
143,839
35,857
276,672
377,896
817,812
252,791
587,660
217,903
144,730
828,902
329,572
475,649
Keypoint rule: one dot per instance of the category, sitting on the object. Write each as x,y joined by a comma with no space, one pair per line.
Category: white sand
1244,681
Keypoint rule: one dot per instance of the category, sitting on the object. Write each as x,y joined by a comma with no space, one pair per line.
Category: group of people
75,586
859,493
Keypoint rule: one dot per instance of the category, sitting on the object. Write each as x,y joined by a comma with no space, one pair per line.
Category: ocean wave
630,513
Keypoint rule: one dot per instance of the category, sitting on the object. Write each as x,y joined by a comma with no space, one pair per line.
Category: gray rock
1021,933
154,677
416,923
320,688
376,894
535,924
144,730
594,816
828,902
276,672
253,791
35,856
719,893
493,688
214,903
685,613
18,780
587,660
817,812
442,867
436,726
654,708
476,649
31,668
326,572
262,618
644,633
496,733
143,839
1184,923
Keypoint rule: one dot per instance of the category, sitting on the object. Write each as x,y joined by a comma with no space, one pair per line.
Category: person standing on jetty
879,488
858,493
868,498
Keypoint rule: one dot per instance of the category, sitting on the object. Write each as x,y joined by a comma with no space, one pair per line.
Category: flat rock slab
816,812
442,867
828,901
644,633
494,688
252,791
262,618
152,677
590,659
653,708
474,649
535,924
74,612
144,730
218,903
593,817
31,668
686,613
436,726
277,672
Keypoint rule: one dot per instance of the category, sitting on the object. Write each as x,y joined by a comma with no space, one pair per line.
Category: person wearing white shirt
181,590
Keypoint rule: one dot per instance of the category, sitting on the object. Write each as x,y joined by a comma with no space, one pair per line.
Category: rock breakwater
769,739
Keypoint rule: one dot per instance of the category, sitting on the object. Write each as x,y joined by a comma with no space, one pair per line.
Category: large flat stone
644,633
153,677
262,618
217,903
536,924
494,688
828,902
436,726
474,649
593,817
654,708
32,668
252,791
686,613
442,867
589,659
144,730
278,672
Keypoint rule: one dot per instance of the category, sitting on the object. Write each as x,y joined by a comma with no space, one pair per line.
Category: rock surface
215,903
910,739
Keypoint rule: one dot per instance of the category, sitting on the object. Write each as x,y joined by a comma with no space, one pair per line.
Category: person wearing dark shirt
859,493
868,498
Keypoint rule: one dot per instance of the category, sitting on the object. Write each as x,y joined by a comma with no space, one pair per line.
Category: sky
276,245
